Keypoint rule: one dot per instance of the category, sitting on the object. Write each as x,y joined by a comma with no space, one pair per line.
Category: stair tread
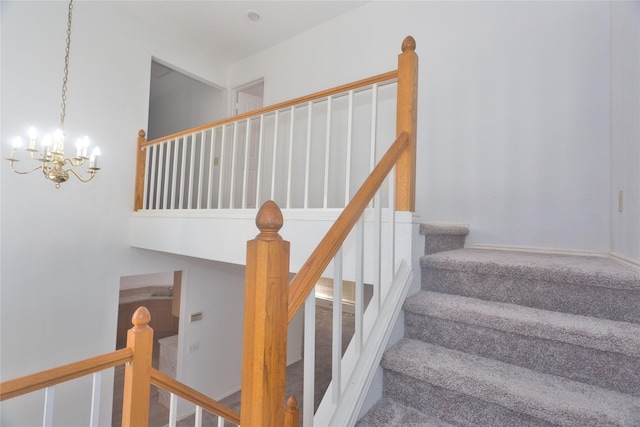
388,412
591,332
586,270
549,397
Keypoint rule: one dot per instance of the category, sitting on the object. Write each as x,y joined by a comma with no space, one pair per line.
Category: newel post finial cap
141,317
409,43
269,219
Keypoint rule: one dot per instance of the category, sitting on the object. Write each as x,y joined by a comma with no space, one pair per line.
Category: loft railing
271,301
310,152
138,377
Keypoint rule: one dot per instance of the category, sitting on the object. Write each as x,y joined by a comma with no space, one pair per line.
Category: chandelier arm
75,161
11,165
92,173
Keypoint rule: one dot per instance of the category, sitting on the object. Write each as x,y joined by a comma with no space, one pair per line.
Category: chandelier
50,150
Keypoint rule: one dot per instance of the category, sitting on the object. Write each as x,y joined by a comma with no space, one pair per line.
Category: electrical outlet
620,201
194,347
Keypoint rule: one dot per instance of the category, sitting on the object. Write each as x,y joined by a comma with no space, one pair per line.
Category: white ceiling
223,27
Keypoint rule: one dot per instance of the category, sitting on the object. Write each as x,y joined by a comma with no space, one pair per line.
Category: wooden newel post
406,121
137,373
138,192
292,414
265,323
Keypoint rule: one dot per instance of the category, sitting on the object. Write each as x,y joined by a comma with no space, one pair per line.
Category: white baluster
246,165
174,174
307,167
49,395
212,146
290,162
173,409
198,417
191,176
201,171
327,155
309,358
275,157
147,183
336,349
183,172
359,291
222,166
347,175
374,129
259,173
95,399
153,185
234,161
377,245
165,173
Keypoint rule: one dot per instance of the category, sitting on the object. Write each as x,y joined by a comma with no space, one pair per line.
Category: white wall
625,128
64,251
513,131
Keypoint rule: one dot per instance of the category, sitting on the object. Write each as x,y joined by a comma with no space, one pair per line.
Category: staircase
503,338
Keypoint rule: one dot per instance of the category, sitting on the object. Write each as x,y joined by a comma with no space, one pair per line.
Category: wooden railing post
406,121
137,374
265,323
138,194
292,414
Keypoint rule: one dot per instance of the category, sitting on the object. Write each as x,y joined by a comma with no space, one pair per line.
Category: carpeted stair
505,338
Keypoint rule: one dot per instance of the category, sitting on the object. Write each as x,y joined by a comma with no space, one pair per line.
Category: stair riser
606,303
610,370
440,243
451,406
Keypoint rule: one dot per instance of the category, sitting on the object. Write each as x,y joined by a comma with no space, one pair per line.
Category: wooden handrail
320,258
171,385
28,383
390,75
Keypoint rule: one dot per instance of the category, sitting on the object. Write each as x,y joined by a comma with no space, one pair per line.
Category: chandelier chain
63,107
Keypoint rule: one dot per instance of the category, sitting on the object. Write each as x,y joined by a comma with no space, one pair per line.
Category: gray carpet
500,338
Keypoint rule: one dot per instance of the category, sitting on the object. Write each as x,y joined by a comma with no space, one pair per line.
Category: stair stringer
358,370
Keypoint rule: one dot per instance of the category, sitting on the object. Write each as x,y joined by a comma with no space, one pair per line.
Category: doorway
246,98
160,294
179,101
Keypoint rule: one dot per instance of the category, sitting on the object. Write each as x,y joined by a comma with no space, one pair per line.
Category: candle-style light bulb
32,138
93,160
58,141
79,145
85,146
16,143
46,144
